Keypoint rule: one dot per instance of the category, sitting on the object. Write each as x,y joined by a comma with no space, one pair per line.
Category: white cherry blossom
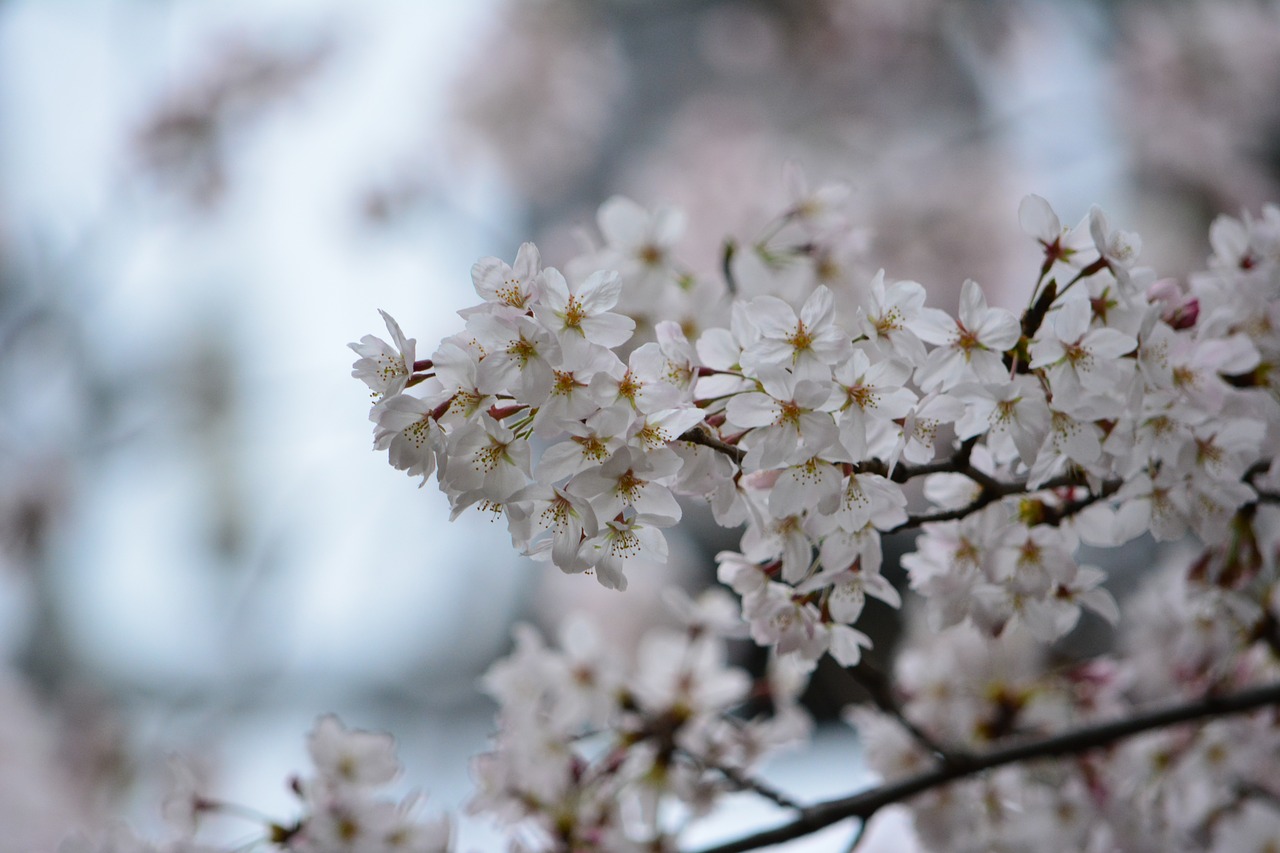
1119,248
385,368
849,588
919,429
778,618
968,348
519,356
813,484
1079,359
656,430
808,345
640,244
662,373
549,522
621,540
510,286
408,429
1071,247
489,464
870,499
867,391
1013,415
820,210
578,313
788,418
631,481
352,757
571,399
889,317
589,442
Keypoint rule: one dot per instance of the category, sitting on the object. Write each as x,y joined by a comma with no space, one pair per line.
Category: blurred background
201,203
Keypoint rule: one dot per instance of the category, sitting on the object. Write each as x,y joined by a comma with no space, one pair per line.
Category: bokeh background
201,203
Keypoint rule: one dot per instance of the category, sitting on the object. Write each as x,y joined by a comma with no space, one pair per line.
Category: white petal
1038,219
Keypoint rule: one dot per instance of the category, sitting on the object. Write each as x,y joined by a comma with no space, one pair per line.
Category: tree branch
745,783
700,435
877,686
867,803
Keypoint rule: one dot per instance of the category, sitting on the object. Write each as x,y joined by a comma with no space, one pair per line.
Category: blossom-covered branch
580,405
866,804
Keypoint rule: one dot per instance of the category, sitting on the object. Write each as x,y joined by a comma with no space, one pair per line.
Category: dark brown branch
867,803
993,490
988,496
982,478
1268,630
1035,315
958,463
1257,469
1056,515
700,435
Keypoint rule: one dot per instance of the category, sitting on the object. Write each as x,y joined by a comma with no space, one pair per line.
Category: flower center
629,486
801,338
523,350
592,447
565,383
629,387
574,314
512,293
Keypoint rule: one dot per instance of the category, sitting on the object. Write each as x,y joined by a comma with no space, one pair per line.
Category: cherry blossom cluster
1210,629
344,807
536,362
598,752
820,418
1116,404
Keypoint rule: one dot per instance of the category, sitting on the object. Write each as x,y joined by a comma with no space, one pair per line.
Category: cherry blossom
409,430
891,313
1062,246
970,347
1116,405
639,245
809,345
384,367
581,312
788,417
872,392
1080,360
514,287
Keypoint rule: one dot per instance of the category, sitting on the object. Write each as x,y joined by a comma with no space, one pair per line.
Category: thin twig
867,803
1056,515
747,783
858,835
726,265
879,689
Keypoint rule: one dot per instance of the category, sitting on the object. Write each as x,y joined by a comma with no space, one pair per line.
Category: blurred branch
867,803
877,686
